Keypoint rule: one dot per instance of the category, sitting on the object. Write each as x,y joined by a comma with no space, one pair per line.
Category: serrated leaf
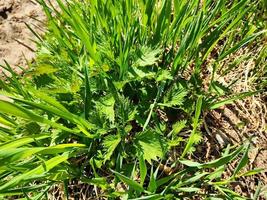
142,73
105,107
150,145
149,57
164,75
178,126
110,143
175,98
44,69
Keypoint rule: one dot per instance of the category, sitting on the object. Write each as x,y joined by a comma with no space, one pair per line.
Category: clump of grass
116,86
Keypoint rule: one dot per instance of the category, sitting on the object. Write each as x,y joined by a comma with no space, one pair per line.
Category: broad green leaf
164,75
148,57
178,126
6,123
149,144
14,154
105,107
43,69
48,99
173,99
110,143
140,73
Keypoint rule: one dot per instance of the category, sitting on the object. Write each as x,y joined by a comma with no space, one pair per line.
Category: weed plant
118,87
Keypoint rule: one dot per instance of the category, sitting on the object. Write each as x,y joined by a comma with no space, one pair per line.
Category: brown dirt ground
242,121
16,45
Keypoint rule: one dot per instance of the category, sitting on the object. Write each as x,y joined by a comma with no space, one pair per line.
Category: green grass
116,87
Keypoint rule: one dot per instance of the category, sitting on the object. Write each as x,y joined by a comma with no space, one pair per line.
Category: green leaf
48,99
188,189
192,180
88,94
110,143
251,172
100,182
18,111
194,134
142,73
218,88
105,107
152,186
240,44
178,126
136,186
148,57
22,141
149,144
215,163
43,69
244,160
175,98
150,197
188,181
143,169
231,99
164,75
56,109
9,155
40,170
257,192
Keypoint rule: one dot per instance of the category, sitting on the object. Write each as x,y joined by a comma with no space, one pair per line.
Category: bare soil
16,45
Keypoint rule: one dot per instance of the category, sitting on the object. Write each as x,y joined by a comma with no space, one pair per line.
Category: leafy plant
113,86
